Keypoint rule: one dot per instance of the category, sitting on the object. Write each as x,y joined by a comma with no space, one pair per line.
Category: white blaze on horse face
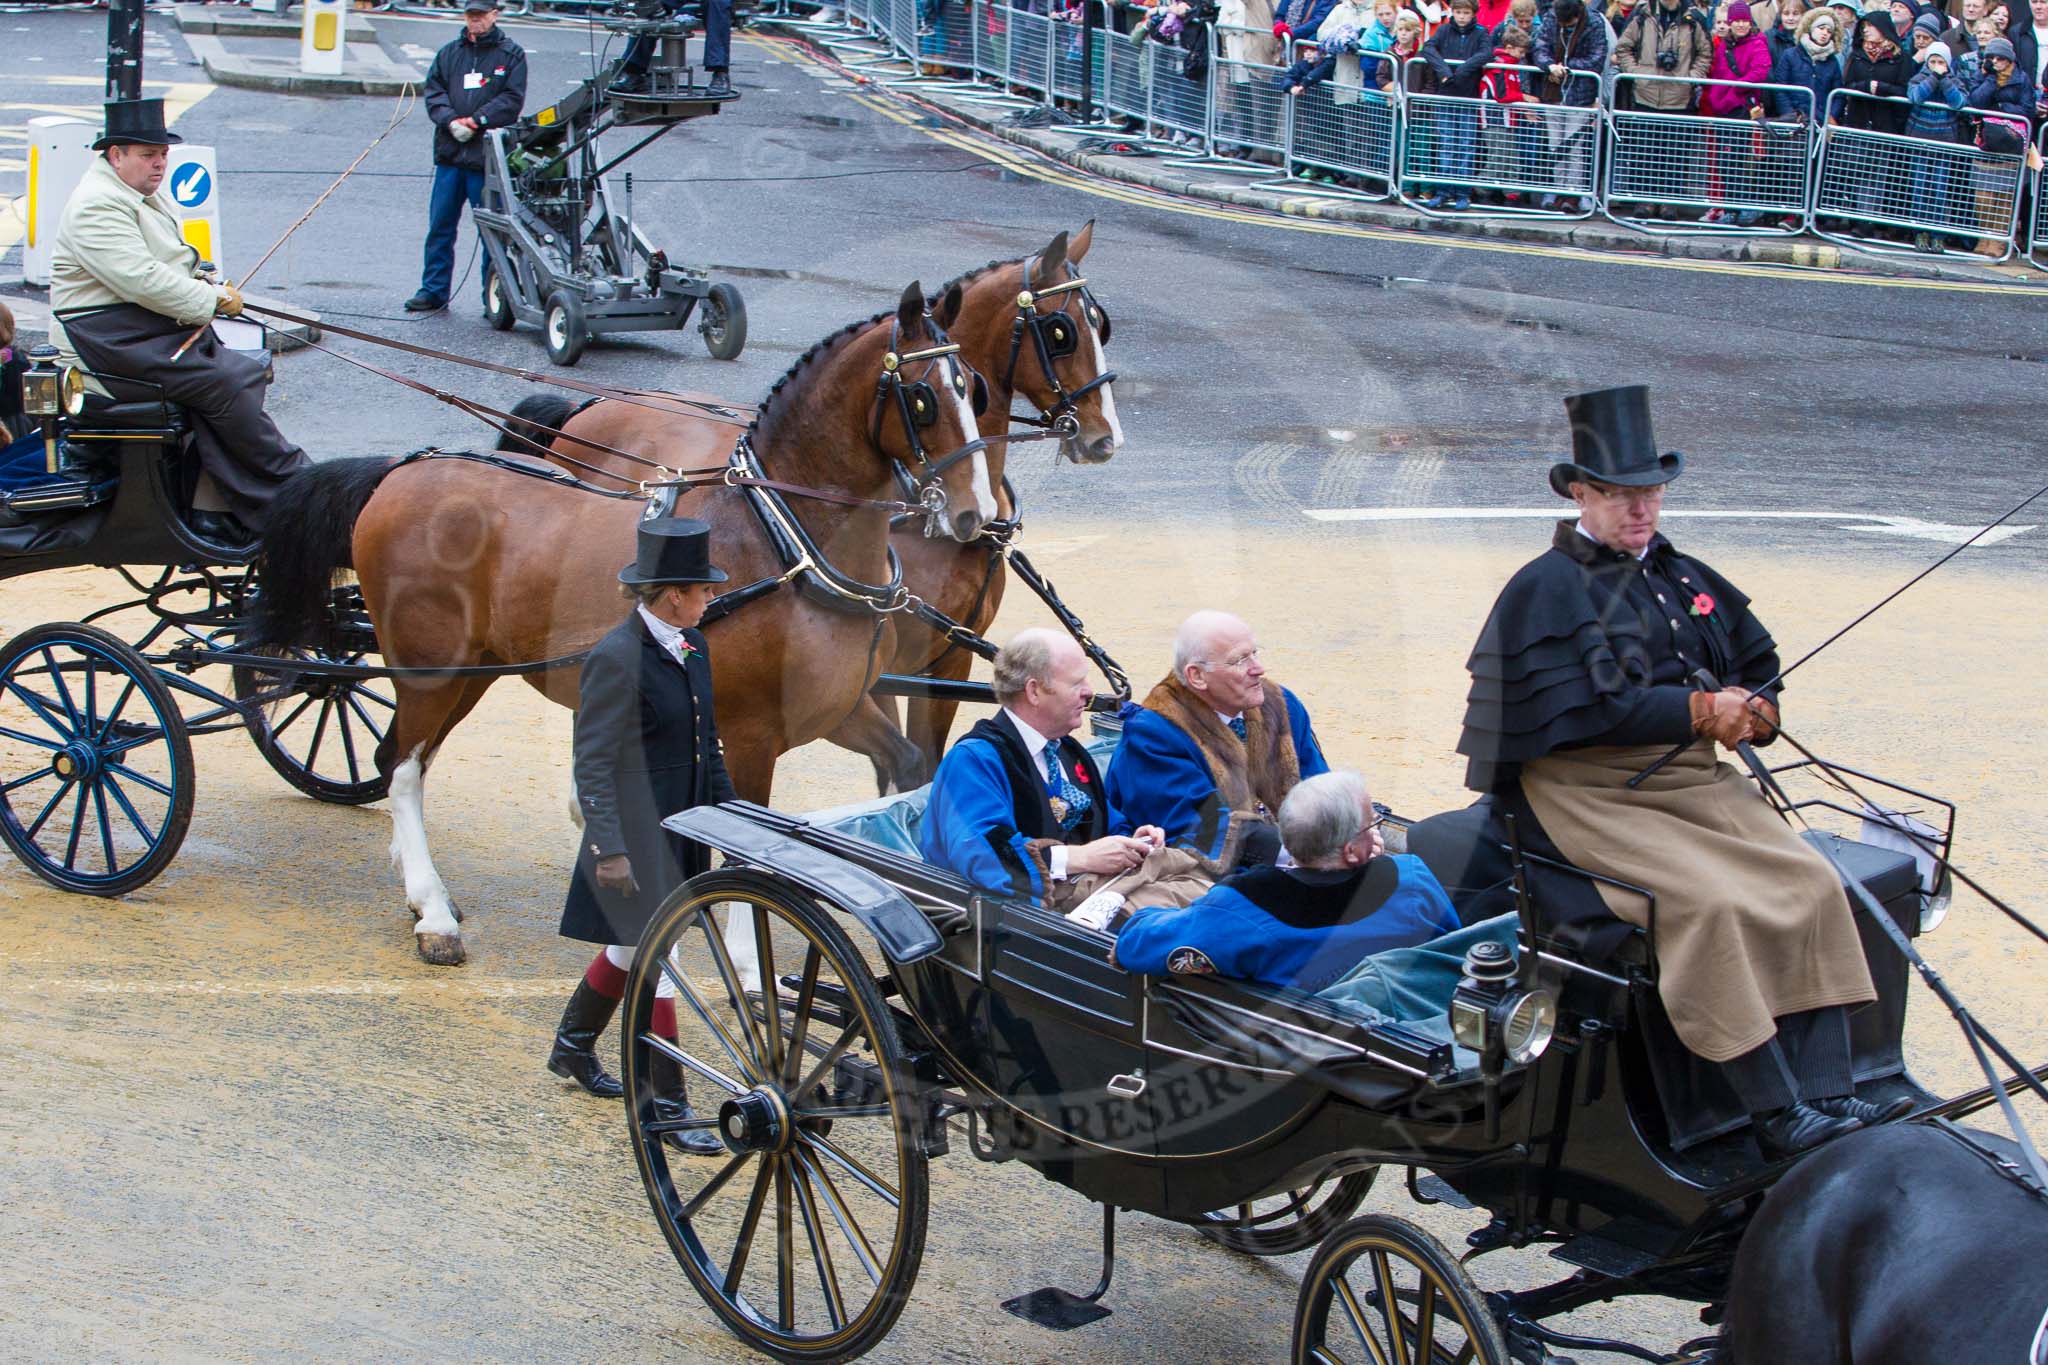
984,492
424,891
1108,398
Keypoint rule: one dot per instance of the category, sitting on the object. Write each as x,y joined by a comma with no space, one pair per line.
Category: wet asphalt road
238,1120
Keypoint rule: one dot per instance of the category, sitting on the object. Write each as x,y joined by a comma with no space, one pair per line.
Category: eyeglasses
1635,497
1235,662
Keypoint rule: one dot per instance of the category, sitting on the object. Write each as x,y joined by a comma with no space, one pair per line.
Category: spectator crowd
1528,77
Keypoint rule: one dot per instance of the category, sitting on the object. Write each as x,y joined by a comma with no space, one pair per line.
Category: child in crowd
1458,53
1507,140
1936,95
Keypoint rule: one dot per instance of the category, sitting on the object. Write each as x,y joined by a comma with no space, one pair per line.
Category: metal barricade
946,35
1346,130
1739,174
1068,68
1954,197
1247,110
1176,102
1528,155
1127,75
2037,246
1027,56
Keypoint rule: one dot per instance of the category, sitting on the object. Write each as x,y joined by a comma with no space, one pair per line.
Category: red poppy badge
1702,605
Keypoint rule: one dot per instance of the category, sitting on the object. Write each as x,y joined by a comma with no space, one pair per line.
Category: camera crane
561,240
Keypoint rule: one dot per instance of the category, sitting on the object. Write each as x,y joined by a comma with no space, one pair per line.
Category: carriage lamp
1494,1019
42,384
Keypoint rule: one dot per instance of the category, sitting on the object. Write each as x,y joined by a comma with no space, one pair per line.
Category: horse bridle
915,402
1054,337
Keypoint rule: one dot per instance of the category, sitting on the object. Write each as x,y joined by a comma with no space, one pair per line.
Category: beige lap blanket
1752,922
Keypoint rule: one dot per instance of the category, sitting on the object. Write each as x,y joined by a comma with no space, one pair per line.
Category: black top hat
1612,442
136,121
673,550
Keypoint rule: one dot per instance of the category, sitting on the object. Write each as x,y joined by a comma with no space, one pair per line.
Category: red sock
664,1020
607,980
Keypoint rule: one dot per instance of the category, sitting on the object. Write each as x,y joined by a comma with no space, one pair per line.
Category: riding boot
1868,1112
590,1009
574,1056
672,1101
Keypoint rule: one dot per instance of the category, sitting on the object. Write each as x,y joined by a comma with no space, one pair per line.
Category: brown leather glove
615,874
1763,719
1723,717
230,305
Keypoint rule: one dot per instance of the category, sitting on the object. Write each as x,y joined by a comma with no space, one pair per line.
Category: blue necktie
1236,724
1075,801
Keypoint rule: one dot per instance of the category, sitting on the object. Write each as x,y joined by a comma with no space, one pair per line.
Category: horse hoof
441,950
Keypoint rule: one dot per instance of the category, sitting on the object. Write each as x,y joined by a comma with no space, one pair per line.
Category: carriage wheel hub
77,761
757,1121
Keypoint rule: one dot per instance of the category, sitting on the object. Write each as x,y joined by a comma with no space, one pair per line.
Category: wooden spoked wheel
320,733
1382,1291
1291,1220
805,1233
95,762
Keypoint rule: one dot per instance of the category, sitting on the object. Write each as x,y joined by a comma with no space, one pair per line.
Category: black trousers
1807,1060
238,444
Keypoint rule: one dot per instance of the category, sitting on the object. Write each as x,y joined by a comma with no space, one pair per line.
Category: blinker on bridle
916,403
1054,337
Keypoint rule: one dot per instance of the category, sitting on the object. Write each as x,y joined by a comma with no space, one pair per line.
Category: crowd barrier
1659,170
1526,154
1676,170
1870,180
2038,237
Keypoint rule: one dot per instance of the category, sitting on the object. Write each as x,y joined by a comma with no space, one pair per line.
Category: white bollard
59,152
193,185
323,37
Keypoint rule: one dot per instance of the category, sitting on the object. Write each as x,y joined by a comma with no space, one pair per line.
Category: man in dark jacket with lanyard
477,82
646,747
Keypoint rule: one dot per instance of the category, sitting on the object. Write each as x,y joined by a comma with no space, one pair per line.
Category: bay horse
1900,1245
497,560
1030,327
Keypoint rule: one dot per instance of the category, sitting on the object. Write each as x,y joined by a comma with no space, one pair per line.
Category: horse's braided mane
836,338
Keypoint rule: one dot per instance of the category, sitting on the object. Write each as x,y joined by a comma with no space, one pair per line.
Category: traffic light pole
124,49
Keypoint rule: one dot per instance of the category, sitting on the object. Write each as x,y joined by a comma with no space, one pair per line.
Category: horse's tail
535,420
311,529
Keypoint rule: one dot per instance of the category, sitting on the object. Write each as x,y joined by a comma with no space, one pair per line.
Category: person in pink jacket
1742,57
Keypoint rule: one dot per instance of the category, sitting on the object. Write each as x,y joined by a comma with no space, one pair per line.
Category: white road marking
1878,523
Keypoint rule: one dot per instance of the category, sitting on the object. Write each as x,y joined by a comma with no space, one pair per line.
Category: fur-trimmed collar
1259,769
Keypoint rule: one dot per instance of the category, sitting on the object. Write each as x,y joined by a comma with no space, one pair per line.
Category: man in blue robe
1018,806
1302,926
1215,748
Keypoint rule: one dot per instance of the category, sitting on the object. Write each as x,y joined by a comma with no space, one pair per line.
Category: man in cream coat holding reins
126,293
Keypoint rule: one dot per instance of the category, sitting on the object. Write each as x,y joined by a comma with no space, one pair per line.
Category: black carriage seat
128,405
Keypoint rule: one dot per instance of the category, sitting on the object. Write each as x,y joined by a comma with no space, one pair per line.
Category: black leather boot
574,1056
672,1101
1798,1128
1869,1113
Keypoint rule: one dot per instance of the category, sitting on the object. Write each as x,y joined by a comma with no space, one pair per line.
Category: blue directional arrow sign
190,184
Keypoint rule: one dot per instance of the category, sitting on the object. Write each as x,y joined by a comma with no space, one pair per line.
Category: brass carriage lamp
1492,1017
49,391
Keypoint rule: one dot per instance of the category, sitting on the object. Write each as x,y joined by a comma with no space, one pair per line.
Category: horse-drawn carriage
94,742
1524,1066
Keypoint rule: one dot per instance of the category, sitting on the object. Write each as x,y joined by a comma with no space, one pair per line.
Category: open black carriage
1524,1066
96,775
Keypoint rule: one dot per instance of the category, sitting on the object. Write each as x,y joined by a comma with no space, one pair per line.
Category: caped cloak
1565,659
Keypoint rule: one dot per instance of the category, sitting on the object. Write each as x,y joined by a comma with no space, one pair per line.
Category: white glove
462,132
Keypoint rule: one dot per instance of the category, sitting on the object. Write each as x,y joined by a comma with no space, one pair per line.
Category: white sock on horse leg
424,891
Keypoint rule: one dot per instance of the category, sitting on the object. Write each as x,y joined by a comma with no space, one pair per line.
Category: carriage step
1058,1310
1432,1189
1622,1248
61,495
